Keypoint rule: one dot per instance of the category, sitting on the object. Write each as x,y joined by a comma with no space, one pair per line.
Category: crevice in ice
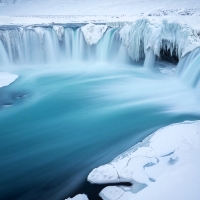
169,154
115,170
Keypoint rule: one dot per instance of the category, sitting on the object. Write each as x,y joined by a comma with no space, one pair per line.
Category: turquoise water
59,122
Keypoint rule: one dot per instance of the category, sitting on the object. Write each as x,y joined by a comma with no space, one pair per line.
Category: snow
167,159
7,78
79,197
95,7
93,33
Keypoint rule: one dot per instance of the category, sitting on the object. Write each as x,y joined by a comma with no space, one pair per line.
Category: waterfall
149,59
54,44
3,55
189,68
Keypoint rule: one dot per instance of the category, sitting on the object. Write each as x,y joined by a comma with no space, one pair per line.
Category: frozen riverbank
156,167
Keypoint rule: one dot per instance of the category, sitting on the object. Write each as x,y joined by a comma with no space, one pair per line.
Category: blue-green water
64,121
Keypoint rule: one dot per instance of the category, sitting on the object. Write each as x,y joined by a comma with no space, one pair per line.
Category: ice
144,34
106,174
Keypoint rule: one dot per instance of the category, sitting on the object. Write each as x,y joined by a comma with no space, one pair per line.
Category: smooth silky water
59,121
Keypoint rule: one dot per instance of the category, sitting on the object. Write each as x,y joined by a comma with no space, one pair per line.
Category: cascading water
40,45
189,68
58,123
149,59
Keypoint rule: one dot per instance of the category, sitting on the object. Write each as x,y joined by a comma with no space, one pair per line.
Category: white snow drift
166,160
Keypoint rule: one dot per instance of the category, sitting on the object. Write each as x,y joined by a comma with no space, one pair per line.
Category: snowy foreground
7,78
165,166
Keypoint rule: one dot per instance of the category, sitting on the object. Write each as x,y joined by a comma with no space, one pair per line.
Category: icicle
144,34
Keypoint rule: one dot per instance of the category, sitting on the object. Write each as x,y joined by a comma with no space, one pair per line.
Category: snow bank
93,33
79,197
157,35
167,159
7,78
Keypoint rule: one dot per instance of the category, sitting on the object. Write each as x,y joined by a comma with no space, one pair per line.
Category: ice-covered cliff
166,35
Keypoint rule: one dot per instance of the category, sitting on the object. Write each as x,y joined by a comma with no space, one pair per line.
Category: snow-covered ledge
7,78
93,33
163,166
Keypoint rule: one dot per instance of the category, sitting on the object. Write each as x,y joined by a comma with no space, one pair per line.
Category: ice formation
93,33
171,152
144,34
7,78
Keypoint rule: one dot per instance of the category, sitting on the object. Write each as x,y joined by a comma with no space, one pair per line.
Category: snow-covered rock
79,197
93,33
7,78
41,32
166,159
59,31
